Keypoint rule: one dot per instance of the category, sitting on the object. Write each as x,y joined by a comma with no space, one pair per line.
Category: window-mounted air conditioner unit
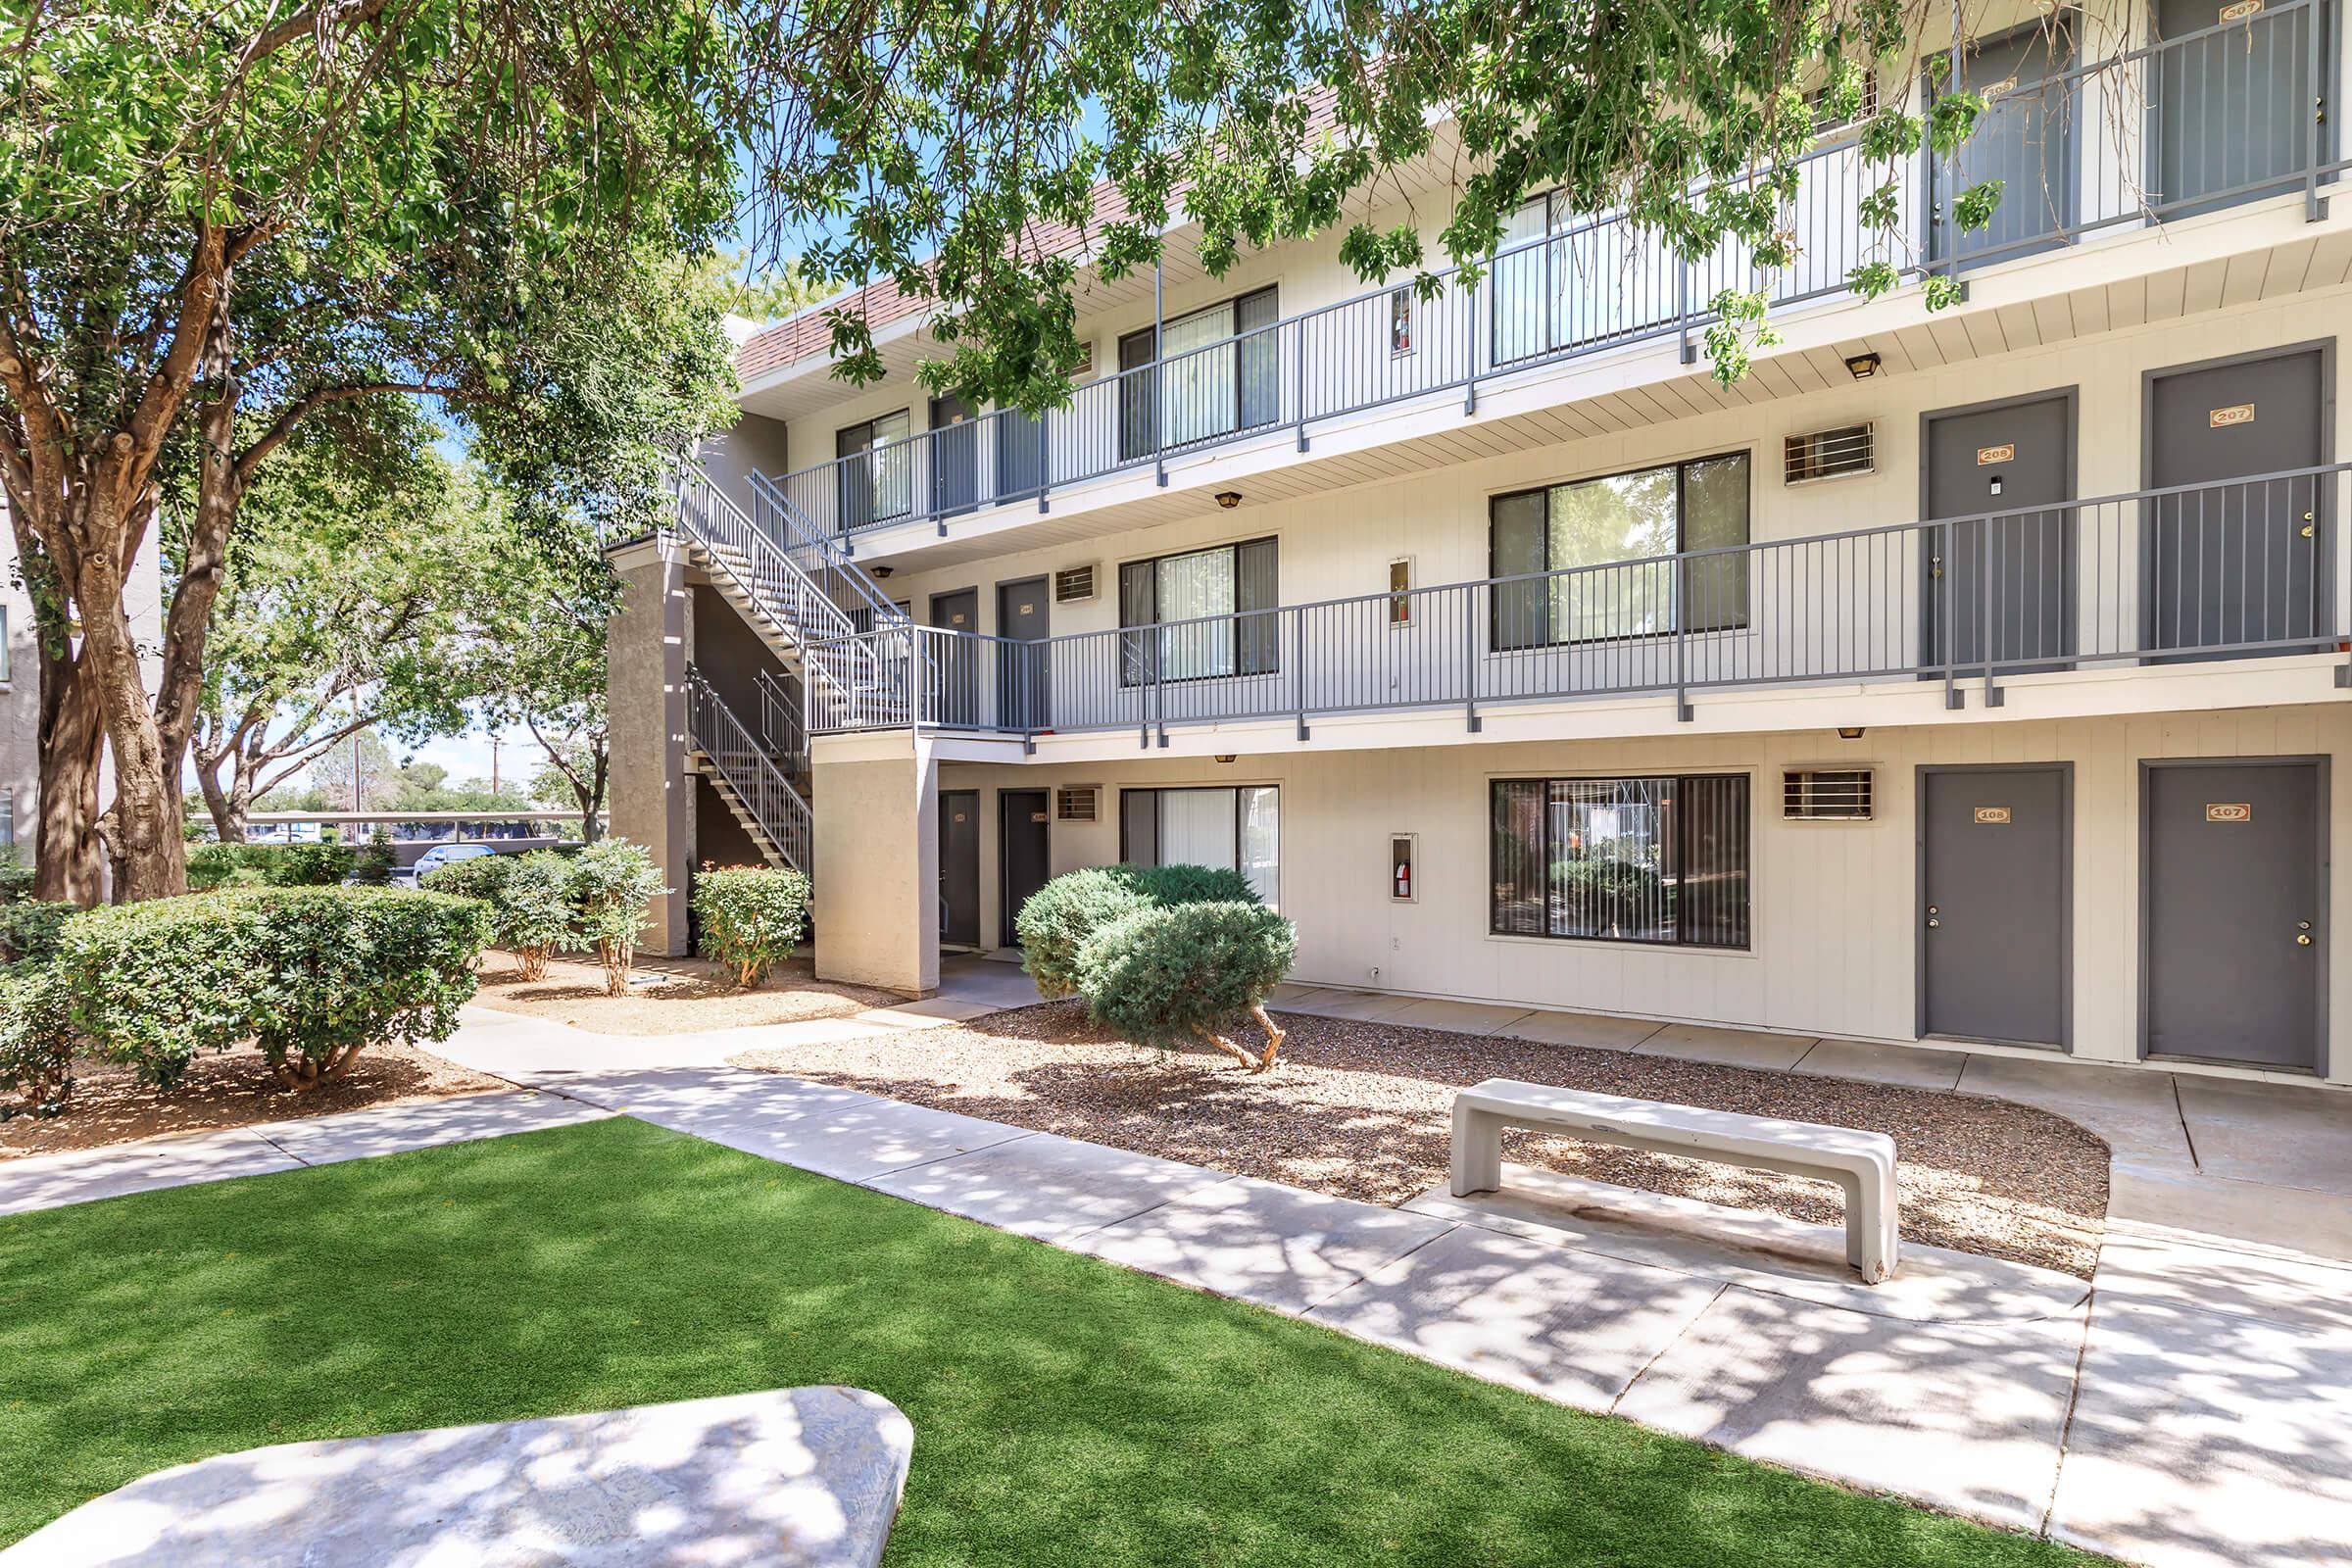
1827,794
1075,585
1833,454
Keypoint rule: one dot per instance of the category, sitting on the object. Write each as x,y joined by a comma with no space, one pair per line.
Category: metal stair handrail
854,673
783,723
781,810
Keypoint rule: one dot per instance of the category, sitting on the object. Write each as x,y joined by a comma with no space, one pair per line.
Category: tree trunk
68,859
228,805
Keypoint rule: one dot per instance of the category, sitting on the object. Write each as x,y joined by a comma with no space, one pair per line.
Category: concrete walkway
2192,1407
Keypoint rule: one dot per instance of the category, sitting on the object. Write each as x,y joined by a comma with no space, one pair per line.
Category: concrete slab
1736,1047
1755,1250
1261,1241
1593,1031
1049,1188
2203,1440
1367,1006
797,1478
1968,1418
396,1129
2192,1272
2284,1135
1910,1066
1000,984
85,1175
933,1012
1290,992
2170,1198
2133,1109
1568,1325
849,1137
1459,1017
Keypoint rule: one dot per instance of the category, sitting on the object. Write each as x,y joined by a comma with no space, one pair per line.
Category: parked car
407,876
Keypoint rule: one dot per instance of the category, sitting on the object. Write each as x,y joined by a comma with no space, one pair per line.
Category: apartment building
1977,675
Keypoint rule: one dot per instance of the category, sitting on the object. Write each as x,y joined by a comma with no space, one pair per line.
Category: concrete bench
1862,1163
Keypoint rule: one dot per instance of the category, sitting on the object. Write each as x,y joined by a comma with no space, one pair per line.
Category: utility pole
495,743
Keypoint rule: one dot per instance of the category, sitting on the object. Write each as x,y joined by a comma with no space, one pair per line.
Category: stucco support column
650,794
875,798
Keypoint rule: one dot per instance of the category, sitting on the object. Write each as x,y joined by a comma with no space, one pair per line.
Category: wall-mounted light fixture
1229,498
1862,366
1849,732
884,571
1226,756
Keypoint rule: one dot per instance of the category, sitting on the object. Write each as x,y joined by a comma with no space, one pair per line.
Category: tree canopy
954,150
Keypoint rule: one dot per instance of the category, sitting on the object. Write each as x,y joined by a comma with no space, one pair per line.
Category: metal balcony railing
2245,567
783,726
781,810
2222,115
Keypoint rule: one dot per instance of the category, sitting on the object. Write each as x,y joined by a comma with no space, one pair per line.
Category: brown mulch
1363,1111
228,1088
693,995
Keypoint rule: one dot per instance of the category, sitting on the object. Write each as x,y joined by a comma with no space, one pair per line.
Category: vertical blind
1233,829
1630,860
1222,603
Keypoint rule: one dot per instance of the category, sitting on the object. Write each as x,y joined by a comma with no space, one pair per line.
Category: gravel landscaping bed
1363,1110
228,1088
687,996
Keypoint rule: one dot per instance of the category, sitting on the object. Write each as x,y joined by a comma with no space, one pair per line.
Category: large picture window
1604,538
877,471
1215,610
1662,860
1239,829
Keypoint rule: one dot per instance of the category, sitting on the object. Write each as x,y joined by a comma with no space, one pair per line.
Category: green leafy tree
221,221
611,885
546,674
353,602
978,157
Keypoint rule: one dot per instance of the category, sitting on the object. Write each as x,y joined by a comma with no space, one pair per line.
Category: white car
408,876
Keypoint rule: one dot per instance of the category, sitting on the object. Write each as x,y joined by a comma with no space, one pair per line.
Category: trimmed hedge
212,866
1161,976
1161,953
29,929
1056,920
312,975
36,1046
749,917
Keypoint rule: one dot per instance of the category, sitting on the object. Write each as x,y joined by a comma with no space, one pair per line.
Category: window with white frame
1237,828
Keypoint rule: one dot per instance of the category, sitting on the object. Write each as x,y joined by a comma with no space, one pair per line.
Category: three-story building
1975,675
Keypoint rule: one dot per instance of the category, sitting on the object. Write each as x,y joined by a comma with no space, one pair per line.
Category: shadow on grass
1065,1411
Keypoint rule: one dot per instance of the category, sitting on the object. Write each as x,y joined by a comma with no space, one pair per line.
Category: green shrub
29,929
17,875
749,917
611,884
312,975
371,867
1056,920
36,1045
483,877
307,866
1165,975
212,866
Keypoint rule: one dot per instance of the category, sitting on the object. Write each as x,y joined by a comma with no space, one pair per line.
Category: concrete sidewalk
2192,1407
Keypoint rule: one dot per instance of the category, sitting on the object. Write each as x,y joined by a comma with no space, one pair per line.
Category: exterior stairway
748,778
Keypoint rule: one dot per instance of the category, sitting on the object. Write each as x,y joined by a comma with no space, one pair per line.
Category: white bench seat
1862,1163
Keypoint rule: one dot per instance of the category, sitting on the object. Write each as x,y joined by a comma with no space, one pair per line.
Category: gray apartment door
955,455
1993,843
1023,865
1024,618
2230,106
954,675
2024,139
960,867
2000,587
2235,932
2233,563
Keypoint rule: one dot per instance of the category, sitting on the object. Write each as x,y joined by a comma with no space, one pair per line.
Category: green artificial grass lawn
1065,1411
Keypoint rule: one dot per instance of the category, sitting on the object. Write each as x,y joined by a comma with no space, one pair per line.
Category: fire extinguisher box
1403,888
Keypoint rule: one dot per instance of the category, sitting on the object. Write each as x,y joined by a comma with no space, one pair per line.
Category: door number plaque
2240,11
2229,811
1994,816
2235,414
1986,457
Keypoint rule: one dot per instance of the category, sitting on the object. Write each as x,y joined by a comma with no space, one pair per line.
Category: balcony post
1299,665
1985,632
2315,68
1297,374
1470,662
1946,631
1470,384
1159,383
1682,309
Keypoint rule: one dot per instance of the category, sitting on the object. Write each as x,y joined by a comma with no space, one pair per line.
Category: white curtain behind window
1196,391
1192,586
1261,841
1196,828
